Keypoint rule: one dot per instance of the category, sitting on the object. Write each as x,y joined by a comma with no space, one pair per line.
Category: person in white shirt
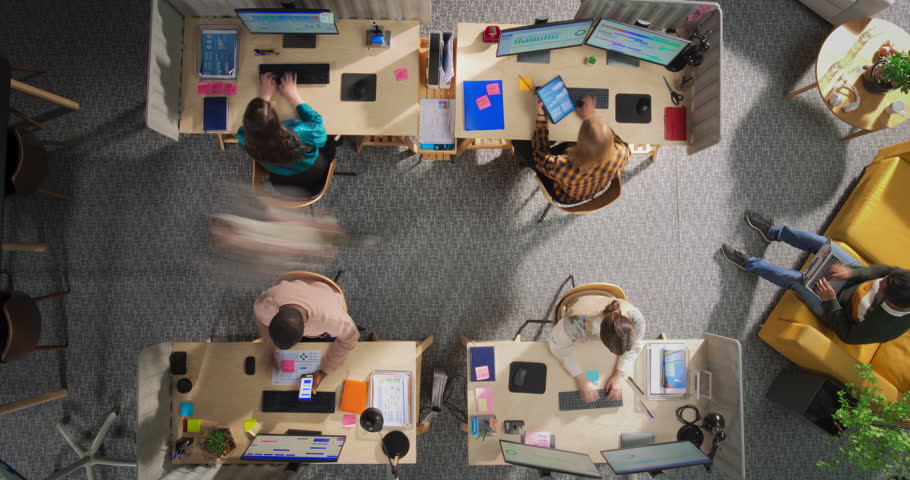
619,326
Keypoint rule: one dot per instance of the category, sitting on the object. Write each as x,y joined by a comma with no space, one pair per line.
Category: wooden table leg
422,346
53,295
32,401
801,90
464,340
856,134
44,95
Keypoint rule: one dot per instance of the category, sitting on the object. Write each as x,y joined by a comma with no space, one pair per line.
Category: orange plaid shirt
571,185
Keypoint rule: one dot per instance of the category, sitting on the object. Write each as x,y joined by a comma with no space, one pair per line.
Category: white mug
896,107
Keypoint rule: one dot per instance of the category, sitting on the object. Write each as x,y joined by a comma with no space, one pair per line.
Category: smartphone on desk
306,388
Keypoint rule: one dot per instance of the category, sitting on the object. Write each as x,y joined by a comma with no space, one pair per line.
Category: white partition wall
705,106
725,360
162,110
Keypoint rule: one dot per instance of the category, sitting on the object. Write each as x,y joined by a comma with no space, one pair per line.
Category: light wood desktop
224,396
477,60
395,111
585,431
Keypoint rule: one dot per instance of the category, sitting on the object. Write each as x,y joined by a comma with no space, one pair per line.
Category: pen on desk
646,409
635,385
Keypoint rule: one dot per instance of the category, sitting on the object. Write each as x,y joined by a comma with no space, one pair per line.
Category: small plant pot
218,443
874,80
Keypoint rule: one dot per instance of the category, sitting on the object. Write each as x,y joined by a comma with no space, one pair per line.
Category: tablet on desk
556,100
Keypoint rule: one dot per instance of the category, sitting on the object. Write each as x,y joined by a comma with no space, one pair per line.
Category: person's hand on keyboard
289,88
587,391
613,386
317,379
587,108
267,86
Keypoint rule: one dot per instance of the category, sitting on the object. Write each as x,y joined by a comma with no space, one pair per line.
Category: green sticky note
248,424
593,376
193,426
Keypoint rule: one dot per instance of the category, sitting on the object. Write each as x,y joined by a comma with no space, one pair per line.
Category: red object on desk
491,34
675,123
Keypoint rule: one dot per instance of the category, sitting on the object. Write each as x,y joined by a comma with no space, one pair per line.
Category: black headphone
692,431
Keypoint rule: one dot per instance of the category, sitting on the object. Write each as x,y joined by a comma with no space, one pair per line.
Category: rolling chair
608,196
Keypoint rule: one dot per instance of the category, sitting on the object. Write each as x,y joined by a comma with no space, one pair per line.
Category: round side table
845,52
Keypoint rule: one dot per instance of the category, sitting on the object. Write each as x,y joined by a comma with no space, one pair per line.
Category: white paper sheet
305,361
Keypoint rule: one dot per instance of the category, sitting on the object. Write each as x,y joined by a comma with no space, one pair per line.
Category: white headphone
836,98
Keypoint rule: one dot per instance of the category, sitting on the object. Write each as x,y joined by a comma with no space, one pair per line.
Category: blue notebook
214,114
482,356
490,118
674,368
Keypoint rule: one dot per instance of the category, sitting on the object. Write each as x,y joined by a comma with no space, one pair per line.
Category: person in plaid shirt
584,169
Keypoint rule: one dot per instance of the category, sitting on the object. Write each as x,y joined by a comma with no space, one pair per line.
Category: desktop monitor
641,43
294,448
660,456
548,459
543,36
7,472
299,27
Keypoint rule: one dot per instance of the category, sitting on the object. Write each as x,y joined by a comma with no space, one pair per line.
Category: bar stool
20,326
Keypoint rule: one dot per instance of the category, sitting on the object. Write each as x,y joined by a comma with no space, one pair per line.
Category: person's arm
561,347
625,362
342,327
260,312
872,272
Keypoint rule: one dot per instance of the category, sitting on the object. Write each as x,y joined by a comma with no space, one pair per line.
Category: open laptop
556,99
295,448
819,267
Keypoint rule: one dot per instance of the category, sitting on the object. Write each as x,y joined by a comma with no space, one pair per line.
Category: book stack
667,371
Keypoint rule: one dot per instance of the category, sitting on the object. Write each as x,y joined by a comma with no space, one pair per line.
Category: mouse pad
535,380
351,83
627,108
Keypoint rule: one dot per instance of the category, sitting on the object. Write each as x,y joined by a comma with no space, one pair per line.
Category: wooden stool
20,326
383,141
645,149
30,167
484,144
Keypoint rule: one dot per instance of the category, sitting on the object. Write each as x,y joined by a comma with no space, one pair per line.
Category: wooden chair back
301,275
610,195
30,157
260,173
602,288
20,327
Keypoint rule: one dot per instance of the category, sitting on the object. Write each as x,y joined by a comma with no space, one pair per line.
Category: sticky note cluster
484,397
349,420
538,439
216,88
187,409
401,75
482,372
193,425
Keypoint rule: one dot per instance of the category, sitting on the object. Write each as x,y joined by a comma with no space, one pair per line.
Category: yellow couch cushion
892,362
875,219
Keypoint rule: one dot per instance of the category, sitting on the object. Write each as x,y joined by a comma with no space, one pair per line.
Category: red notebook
675,123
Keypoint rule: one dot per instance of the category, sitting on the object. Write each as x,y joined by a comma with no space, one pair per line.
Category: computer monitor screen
282,20
544,36
294,448
556,100
660,456
548,459
7,472
637,42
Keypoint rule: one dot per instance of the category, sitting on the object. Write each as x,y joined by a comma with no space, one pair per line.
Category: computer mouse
521,374
644,105
361,89
249,365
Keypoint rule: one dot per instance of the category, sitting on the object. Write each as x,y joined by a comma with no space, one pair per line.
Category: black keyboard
307,73
571,401
285,401
601,95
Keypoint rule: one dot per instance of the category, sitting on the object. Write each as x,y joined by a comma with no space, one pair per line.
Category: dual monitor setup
643,459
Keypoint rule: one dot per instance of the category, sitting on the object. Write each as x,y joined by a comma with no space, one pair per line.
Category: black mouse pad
627,108
358,87
535,380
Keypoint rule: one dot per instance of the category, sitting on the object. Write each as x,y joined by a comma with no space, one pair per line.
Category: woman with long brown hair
580,171
289,150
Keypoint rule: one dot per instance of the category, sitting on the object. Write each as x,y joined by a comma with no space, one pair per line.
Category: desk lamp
394,444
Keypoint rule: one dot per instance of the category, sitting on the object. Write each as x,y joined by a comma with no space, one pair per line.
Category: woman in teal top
290,148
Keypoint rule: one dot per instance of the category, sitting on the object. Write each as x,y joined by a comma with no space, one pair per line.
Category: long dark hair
265,138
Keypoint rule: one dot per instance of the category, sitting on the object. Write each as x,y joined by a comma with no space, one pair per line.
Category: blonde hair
595,142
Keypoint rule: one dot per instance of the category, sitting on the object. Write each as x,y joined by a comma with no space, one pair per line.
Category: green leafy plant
219,441
875,438
896,71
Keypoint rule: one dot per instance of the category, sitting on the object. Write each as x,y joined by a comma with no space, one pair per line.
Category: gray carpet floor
462,253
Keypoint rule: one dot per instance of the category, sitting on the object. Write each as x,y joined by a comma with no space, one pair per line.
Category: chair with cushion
571,298
873,225
259,176
608,196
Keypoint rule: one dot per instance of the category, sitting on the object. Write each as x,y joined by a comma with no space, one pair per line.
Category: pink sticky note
217,88
482,372
401,74
484,397
705,9
694,17
287,366
230,89
483,102
539,439
493,89
203,88
349,420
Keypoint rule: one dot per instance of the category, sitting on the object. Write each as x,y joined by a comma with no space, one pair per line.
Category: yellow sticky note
248,424
524,83
481,404
193,426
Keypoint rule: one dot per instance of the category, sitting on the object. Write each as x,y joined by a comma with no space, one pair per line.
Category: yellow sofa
874,226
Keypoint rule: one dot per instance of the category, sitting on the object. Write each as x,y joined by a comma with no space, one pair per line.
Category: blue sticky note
593,376
186,409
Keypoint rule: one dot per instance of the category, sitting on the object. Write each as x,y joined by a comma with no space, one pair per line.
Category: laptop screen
556,99
294,448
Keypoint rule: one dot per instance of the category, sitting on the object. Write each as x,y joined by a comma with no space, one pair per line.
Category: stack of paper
667,371
391,392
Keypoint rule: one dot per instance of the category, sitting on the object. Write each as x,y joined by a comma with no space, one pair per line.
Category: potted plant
218,442
891,71
875,432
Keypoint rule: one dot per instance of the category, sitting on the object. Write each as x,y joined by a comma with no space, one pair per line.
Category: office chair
602,288
608,196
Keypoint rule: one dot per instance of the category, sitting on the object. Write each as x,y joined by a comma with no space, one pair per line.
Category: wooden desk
393,113
224,396
477,60
842,57
586,431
